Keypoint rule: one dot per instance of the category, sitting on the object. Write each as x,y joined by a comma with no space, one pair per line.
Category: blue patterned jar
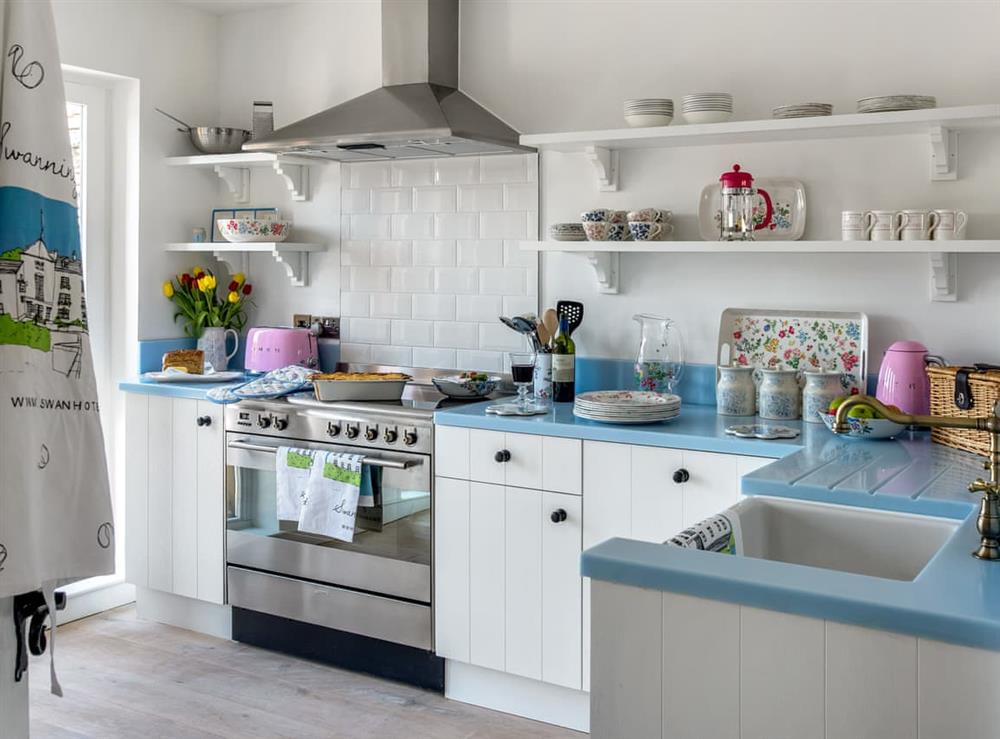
780,397
821,388
735,394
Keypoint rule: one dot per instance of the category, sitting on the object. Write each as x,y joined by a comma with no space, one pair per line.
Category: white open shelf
234,170
940,125
604,256
293,256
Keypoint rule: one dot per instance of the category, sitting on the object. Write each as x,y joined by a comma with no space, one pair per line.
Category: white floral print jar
821,388
736,395
780,396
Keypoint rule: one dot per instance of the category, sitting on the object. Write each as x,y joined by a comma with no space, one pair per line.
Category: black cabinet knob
204,421
681,475
502,456
558,515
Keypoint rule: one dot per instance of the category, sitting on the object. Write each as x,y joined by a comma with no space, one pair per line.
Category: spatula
572,311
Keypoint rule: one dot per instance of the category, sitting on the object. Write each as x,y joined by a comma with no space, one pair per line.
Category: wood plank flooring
123,677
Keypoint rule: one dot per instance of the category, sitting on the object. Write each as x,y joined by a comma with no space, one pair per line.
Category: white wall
548,65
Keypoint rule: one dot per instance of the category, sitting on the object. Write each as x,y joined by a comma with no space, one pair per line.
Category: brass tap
988,521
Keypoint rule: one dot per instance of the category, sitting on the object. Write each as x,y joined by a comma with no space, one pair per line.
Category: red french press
738,200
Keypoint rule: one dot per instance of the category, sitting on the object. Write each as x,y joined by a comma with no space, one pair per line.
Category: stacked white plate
884,103
626,406
707,107
643,112
802,110
567,232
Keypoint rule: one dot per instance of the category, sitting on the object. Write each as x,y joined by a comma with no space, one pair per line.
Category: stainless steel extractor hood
418,111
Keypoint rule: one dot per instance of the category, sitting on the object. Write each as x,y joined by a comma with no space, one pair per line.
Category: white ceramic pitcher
213,343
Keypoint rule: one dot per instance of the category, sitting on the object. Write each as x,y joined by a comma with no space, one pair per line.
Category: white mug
950,225
887,224
856,225
918,224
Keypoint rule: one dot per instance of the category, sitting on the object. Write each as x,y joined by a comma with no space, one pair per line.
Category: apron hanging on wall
55,507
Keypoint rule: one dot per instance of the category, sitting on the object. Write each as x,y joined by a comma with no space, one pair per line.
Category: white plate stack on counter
627,406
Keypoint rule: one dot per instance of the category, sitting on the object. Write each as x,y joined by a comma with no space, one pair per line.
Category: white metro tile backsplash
431,259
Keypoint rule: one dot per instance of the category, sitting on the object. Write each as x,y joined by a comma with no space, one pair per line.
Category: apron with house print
55,507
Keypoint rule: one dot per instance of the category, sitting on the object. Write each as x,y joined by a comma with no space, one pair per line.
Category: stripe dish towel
719,533
293,468
330,506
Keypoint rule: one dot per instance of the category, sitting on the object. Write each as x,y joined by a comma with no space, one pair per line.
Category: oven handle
371,461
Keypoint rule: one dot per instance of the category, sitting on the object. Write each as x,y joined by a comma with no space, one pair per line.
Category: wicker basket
985,390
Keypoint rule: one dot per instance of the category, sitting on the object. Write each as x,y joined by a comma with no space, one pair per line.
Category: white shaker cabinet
175,485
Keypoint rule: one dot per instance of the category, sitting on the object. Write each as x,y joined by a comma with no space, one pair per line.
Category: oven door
391,558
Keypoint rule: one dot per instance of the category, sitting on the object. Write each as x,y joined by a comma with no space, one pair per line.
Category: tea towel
293,468
331,504
719,533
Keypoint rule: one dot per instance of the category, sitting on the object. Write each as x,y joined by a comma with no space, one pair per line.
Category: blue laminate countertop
196,390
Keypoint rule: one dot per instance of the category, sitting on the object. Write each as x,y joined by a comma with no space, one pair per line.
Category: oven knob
371,433
352,431
410,437
333,429
390,436
280,423
263,421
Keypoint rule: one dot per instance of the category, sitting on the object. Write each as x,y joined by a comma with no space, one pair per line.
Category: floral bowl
456,386
241,230
865,428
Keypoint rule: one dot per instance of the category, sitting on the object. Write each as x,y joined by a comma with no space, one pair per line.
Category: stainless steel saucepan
212,139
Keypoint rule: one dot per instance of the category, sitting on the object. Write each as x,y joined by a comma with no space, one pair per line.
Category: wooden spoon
551,320
543,334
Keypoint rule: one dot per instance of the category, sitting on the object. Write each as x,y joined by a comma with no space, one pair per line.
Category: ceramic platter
788,222
797,340
630,419
628,399
627,406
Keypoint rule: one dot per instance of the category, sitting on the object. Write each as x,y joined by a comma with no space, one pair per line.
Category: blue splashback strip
151,352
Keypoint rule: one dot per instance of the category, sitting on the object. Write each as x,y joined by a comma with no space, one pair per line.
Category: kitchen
468,583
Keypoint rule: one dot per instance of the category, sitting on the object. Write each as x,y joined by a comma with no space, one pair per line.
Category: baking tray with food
359,385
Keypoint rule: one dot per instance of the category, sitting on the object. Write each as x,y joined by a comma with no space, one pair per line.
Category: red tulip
234,286
185,279
247,288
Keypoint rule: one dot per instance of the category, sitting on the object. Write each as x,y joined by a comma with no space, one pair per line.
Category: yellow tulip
239,278
234,297
197,270
168,289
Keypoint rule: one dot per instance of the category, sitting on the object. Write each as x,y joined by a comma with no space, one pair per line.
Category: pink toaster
273,348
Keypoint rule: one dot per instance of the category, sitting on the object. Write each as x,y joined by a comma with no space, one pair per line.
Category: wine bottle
563,364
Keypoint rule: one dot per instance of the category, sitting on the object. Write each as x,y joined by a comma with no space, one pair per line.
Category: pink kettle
902,378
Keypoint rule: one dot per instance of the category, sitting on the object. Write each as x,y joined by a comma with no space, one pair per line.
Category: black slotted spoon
572,311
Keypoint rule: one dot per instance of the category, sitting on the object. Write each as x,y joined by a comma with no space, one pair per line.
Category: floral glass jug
660,362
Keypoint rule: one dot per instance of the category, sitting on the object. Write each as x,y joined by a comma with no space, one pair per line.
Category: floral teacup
650,215
644,231
596,230
603,214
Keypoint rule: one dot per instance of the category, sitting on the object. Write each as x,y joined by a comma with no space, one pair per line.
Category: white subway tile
369,226
356,201
434,200
413,226
412,280
518,306
394,356
391,253
531,231
456,171
372,279
531,287
503,225
357,305
412,173
502,281
355,254
515,256
367,174
434,307
456,335
391,305
480,197
503,168
520,197
480,253
434,253
439,358
356,353
397,200
475,360
413,333
456,225
497,337
369,330
483,308
456,280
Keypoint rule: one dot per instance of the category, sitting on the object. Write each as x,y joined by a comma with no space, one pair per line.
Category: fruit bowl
467,385
865,428
244,230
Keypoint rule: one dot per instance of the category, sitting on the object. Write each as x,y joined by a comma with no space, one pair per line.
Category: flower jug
213,343
660,361
780,397
736,395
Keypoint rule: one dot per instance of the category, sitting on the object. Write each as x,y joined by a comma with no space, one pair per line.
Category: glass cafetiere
739,216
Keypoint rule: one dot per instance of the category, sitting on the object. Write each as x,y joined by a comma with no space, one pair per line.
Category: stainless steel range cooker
366,604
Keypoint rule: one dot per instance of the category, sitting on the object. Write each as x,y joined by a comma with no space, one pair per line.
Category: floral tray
788,219
799,340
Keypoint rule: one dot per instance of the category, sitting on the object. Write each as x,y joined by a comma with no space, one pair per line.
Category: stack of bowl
707,107
644,112
567,232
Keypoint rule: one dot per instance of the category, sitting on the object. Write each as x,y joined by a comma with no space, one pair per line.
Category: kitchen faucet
988,521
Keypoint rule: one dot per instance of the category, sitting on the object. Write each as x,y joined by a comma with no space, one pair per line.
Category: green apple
861,411
835,404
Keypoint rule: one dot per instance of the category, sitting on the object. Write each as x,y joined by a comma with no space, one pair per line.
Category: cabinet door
524,470
562,465
451,569
483,463
712,485
486,575
451,452
159,533
561,590
606,491
136,489
657,501
184,501
211,508
524,521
